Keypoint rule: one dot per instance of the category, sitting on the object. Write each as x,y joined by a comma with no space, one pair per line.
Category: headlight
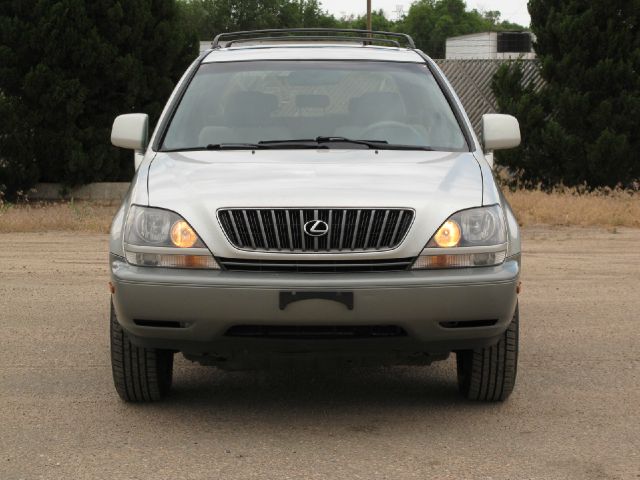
469,238
475,227
155,237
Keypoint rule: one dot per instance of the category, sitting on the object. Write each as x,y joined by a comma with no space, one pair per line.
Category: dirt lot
575,412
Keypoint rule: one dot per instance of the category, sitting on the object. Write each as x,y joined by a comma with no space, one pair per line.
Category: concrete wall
480,46
476,45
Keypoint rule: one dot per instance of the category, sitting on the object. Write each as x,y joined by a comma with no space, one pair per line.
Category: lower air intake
316,332
159,323
469,324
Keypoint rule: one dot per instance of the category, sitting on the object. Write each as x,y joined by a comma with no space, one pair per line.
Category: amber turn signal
182,235
448,235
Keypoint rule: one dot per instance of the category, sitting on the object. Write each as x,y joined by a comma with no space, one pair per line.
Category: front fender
138,193
513,229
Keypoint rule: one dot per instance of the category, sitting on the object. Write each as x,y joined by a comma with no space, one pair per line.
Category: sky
513,10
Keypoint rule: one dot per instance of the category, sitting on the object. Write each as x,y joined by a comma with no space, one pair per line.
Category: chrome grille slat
282,229
366,238
248,228
397,227
344,219
226,219
329,235
291,247
381,234
315,239
275,228
303,242
355,230
262,231
235,227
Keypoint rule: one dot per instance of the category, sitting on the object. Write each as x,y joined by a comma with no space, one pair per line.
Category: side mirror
131,131
500,132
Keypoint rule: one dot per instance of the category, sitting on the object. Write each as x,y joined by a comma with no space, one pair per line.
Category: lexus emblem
316,228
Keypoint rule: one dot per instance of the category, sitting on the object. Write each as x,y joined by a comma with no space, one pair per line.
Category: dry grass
568,207
67,216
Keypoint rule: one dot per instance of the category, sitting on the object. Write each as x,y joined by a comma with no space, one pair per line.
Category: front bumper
204,305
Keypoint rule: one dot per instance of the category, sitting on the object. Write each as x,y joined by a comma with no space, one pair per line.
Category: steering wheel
389,125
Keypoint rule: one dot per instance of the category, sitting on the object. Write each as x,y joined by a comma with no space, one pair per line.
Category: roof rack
366,37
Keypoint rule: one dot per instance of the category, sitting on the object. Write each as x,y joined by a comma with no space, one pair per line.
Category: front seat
247,117
371,108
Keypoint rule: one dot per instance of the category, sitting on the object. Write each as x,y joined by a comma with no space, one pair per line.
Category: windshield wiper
293,143
217,146
377,144
233,146
306,143
263,145
368,143
320,142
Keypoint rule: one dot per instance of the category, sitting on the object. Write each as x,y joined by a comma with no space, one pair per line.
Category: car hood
197,184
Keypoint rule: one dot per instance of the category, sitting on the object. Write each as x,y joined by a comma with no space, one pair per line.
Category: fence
471,80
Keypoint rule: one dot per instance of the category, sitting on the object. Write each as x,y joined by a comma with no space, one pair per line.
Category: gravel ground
575,412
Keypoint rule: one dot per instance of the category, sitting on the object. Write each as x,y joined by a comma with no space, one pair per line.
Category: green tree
431,22
209,17
67,68
495,22
18,169
530,162
378,22
587,118
198,17
304,14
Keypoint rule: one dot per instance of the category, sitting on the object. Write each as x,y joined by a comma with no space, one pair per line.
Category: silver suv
314,193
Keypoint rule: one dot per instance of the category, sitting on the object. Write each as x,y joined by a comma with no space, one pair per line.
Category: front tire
489,374
139,374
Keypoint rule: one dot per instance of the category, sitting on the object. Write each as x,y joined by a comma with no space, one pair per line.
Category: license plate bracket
287,298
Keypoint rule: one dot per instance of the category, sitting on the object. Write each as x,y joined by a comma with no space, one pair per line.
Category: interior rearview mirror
500,132
131,131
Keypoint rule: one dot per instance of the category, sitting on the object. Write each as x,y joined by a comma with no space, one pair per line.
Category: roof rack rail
367,37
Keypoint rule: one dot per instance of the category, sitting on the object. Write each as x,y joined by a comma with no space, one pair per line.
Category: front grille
350,230
316,331
315,266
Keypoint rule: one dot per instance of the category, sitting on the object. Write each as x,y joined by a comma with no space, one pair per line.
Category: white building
491,46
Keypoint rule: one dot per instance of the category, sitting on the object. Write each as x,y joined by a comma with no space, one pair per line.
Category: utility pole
369,25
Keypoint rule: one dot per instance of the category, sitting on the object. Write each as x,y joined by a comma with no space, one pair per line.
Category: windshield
242,104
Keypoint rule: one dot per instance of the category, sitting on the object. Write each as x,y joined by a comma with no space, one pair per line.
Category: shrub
582,127
67,68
